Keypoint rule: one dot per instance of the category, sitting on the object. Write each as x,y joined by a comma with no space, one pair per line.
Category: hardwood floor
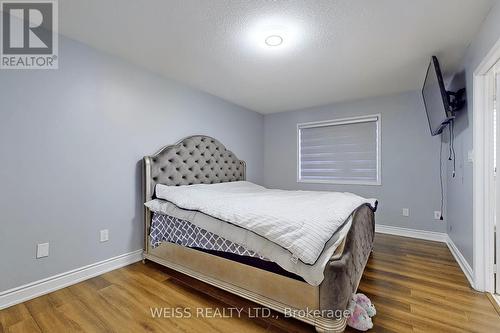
416,287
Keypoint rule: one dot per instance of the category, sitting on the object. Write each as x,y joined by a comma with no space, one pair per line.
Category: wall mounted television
440,104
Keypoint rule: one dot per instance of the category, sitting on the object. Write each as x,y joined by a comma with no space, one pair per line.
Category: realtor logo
29,35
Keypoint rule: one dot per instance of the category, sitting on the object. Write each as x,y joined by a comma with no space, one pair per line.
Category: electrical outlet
42,250
437,215
104,235
470,156
406,212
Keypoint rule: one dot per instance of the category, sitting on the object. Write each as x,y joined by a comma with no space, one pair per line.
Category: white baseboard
29,291
432,236
412,233
496,298
38,288
464,265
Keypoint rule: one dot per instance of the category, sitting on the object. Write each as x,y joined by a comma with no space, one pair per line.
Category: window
342,151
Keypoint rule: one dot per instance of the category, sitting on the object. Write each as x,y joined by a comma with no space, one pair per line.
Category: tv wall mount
456,100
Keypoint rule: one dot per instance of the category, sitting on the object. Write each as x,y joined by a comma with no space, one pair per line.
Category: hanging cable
450,152
441,176
452,146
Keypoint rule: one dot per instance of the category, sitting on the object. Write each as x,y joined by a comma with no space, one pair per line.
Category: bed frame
202,159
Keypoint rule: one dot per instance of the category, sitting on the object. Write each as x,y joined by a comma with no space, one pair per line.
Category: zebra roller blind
343,151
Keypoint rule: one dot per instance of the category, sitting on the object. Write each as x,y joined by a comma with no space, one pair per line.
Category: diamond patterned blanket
165,228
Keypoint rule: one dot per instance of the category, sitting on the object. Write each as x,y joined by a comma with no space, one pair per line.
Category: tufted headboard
196,159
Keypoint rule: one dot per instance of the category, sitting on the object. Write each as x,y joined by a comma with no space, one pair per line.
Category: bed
204,160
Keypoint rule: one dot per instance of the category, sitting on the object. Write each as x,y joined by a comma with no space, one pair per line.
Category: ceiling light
273,36
274,40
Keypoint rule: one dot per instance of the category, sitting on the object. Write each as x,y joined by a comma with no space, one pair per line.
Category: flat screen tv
436,99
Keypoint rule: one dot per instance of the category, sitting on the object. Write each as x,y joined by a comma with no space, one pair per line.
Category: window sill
340,182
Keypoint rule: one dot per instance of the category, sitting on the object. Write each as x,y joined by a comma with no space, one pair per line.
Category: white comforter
300,221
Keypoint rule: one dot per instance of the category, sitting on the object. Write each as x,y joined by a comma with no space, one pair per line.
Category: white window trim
377,118
483,198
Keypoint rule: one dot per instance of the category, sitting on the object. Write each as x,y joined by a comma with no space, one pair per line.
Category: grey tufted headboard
196,159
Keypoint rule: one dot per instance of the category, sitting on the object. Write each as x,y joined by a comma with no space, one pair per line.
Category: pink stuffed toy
361,309
365,303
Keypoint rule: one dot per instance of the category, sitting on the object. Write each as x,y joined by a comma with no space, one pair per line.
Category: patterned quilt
165,228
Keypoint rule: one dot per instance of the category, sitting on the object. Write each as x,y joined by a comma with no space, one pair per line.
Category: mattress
312,274
301,222
166,228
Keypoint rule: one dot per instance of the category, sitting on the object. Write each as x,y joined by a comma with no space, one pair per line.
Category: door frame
483,182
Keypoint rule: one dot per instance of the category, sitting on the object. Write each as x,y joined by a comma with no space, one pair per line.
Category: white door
497,178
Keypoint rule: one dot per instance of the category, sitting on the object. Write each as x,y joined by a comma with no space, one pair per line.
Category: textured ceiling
334,50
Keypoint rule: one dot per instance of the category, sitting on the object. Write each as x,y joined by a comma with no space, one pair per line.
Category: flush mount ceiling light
274,40
274,36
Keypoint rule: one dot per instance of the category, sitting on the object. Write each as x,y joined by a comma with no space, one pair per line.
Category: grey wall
410,157
459,189
71,141
70,145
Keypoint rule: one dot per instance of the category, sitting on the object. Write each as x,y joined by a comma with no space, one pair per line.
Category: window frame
377,118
